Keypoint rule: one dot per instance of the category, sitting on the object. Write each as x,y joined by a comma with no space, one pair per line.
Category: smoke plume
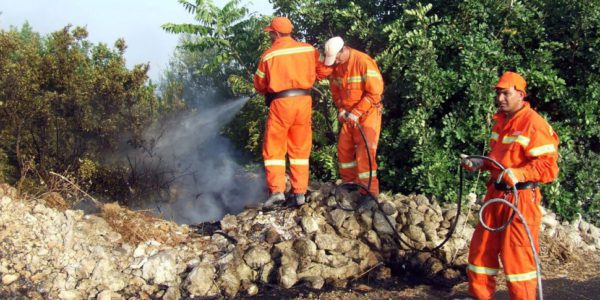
202,180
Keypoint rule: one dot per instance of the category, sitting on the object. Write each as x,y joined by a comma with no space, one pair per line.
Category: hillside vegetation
65,103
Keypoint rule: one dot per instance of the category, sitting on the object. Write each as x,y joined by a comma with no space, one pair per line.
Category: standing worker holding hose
356,87
527,146
285,75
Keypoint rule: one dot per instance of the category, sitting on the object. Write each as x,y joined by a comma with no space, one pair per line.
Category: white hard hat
332,47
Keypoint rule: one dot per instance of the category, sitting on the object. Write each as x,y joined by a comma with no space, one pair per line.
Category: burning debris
136,227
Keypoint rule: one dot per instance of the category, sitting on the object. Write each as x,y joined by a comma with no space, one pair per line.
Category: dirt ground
566,275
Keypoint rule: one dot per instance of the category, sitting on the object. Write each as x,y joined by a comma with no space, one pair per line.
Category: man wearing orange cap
356,86
526,145
286,73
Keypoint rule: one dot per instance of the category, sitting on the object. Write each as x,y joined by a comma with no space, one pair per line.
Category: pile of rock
45,253
577,234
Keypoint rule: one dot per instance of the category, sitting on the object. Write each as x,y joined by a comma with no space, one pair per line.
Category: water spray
205,180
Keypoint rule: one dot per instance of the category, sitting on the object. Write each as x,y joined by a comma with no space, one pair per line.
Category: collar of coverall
282,40
502,115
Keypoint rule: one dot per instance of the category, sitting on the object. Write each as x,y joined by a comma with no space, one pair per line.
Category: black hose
371,197
227,236
513,206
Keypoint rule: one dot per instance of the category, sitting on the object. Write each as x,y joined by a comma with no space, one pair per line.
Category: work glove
511,176
342,115
352,119
472,164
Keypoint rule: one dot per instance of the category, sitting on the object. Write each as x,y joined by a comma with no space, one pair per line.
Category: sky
137,21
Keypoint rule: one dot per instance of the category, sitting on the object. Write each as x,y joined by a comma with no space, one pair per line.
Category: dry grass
55,200
139,226
134,226
6,189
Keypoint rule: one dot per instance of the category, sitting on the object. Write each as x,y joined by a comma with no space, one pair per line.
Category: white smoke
202,178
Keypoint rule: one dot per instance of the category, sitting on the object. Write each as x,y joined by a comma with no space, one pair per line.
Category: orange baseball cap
280,24
509,79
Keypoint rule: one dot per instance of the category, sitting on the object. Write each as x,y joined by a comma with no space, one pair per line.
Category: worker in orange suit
526,145
285,75
356,86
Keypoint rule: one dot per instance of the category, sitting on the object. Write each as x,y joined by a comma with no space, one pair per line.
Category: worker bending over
356,87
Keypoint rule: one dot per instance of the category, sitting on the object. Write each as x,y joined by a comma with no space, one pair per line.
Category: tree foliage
440,60
64,102
223,50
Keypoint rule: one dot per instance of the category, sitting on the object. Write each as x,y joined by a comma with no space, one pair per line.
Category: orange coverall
525,141
356,86
288,64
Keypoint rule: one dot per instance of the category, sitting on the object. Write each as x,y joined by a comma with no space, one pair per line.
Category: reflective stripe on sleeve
275,162
494,136
355,79
260,73
348,165
537,151
373,73
482,270
288,51
521,139
521,277
299,162
365,175
508,139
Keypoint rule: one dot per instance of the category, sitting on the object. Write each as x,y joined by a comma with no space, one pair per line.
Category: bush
64,102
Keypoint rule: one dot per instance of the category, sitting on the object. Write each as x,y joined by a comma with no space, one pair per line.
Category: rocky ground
318,251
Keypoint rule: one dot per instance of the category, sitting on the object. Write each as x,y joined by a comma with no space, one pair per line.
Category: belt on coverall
520,186
269,97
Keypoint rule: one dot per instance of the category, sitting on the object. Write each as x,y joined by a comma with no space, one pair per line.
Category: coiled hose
515,210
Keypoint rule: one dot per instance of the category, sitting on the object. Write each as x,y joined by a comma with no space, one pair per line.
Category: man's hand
352,119
342,115
472,164
512,176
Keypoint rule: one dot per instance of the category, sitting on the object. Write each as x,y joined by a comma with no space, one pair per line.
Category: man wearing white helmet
356,86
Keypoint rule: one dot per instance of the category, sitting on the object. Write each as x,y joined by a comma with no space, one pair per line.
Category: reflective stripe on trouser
351,150
288,131
510,245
